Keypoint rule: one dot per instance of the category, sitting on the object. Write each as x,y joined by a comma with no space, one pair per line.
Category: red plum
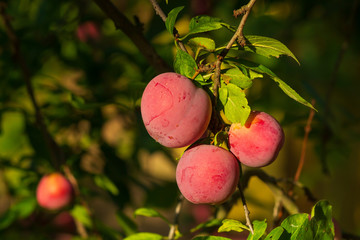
54,191
175,112
257,142
207,174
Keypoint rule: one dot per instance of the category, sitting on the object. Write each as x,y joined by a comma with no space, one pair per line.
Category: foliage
88,78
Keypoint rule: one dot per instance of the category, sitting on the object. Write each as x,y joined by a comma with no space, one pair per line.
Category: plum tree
54,191
257,142
207,174
175,112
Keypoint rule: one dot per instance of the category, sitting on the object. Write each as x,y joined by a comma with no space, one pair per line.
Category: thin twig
158,10
246,210
304,143
162,15
175,225
280,208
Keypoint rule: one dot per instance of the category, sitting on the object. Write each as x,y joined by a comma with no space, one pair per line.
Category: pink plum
258,142
54,191
88,31
175,112
207,174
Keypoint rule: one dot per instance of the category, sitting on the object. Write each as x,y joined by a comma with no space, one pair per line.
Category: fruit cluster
176,113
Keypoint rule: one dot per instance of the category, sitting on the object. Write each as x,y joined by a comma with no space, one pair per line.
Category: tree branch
238,35
162,15
121,22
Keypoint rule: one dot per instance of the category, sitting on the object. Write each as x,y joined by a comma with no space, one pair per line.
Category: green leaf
81,214
18,210
126,223
259,230
223,95
207,224
261,69
237,77
7,218
144,236
149,212
25,207
184,64
210,238
105,183
236,108
292,93
298,226
267,47
232,225
275,234
171,19
321,220
202,42
200,24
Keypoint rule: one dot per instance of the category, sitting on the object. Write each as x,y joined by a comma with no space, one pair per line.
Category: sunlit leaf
202,42
210,238
259,230
105,183
232,225
207,224
81,214
267,47
200,24
236,108
276,234
321,220
171,19
261,69
298,226
144,236
238,78
149,212
184,64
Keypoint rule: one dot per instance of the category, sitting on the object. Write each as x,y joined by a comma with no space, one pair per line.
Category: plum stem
238,35
162,15
246,209
174,226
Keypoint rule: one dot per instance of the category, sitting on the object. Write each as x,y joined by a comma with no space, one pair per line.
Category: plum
207,174
54,191
257,142
175,112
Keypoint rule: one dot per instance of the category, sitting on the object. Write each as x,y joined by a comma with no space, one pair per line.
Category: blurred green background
88,78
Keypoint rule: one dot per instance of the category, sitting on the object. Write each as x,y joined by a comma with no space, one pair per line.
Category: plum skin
207,174
258,142
175,112
54,191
